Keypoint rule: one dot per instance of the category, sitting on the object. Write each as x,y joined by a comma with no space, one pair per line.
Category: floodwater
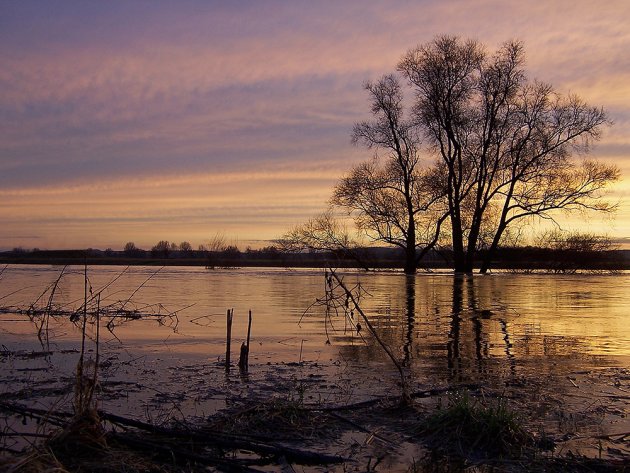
437,317
566,334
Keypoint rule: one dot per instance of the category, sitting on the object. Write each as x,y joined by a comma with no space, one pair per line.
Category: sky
180,120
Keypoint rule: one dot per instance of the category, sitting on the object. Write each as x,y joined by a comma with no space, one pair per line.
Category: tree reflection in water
467,307
454,336
410,286
454,325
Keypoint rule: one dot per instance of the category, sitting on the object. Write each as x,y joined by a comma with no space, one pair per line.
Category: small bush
470,428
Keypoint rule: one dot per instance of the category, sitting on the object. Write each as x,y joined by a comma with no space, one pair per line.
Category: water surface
514,318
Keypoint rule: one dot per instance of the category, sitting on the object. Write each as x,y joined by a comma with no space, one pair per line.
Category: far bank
518,259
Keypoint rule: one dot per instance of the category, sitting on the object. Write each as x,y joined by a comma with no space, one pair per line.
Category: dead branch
349,302
223,440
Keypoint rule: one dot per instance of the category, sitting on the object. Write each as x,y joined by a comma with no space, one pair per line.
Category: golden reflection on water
455,322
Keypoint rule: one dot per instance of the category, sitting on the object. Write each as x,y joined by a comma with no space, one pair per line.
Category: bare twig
348,303
140,287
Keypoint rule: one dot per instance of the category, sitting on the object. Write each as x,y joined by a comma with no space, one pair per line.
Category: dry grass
470,428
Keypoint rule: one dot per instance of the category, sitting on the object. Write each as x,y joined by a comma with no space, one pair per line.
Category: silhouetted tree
323,233
162,248
130,248
503,142
216,243
231,250
393,198
569,251
185,246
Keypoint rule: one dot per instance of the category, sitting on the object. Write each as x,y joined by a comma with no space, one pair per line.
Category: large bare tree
506,144
393,198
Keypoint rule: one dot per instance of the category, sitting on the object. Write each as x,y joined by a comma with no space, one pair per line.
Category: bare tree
212,247
323,232
130,248
162,248
185,246
505,143
214,244
574,241
393,198
570,251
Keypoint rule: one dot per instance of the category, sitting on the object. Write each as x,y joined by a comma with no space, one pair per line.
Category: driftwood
358,426
348,303
58,419
174,452
44,307
225,441
199,436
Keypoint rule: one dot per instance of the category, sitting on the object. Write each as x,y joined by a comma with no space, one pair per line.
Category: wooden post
228,343
243,361
249,327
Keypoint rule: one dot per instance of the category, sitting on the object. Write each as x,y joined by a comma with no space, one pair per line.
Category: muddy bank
346,412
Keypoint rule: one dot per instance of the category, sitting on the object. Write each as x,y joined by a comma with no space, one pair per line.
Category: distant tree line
554,251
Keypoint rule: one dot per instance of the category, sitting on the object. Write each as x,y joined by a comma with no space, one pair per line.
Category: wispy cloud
216,103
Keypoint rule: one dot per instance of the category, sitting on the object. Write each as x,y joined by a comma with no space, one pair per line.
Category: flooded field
557,346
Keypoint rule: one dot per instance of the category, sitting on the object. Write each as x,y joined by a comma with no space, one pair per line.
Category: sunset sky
150,120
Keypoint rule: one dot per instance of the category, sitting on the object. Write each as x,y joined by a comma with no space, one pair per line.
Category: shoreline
611,262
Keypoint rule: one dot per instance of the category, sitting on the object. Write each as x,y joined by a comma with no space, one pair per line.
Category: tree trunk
459,261
487,259
503,224
410,260
459,256
468,263
411,263
471,247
